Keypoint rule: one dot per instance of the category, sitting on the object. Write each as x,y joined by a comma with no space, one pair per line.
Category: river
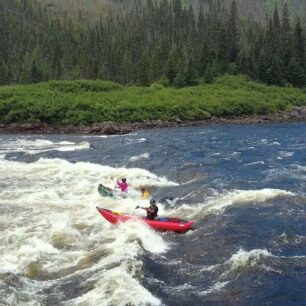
244,186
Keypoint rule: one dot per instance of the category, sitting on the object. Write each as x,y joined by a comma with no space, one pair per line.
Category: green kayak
106,191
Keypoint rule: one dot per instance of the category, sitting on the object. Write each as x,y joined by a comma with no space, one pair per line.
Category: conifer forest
176,43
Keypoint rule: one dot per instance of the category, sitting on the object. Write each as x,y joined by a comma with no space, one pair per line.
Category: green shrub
83,86
157,86
85,102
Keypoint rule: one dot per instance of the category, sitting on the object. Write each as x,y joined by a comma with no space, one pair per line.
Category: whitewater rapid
51,229
56,249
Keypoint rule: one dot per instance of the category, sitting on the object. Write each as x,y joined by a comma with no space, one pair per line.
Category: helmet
123,180
152,201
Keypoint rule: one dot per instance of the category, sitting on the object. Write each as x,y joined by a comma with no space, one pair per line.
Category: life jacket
145,195
123,186
152,212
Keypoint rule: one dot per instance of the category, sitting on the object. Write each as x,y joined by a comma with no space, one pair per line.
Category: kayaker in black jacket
152,210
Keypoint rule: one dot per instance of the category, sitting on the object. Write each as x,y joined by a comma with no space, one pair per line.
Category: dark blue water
245,188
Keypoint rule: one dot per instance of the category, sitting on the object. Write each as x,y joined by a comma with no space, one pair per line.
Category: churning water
244,186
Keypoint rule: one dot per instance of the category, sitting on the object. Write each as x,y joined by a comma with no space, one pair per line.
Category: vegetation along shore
98,107
109,66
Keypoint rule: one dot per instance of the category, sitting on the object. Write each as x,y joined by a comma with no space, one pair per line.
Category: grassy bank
87,102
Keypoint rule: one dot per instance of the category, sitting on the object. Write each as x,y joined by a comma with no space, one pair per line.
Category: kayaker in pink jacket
122,185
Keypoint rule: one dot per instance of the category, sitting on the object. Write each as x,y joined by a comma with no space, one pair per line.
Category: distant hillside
139,42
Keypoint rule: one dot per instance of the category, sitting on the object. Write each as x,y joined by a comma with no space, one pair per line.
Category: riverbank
101,107
297,114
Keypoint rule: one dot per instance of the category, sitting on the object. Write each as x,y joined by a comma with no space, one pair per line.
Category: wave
52,231
41,145
131,141
245,196
219,202
261,162
284,154
140,157
265,141
294,171
215,287
244,258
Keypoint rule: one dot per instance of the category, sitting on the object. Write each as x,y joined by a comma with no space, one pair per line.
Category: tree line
142,43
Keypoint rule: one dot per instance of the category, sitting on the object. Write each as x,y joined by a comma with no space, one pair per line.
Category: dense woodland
167,42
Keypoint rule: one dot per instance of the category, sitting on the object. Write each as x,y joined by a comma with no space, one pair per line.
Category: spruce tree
286,36
275,72
179,80
299,44
4,74
233,28
190,74
171,68
296,74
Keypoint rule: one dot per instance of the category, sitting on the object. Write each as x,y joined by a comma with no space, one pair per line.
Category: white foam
302,168
117,287
285,154
140,157
264,141
255,163
219,202
245,196
51,220
251,258
134,141
41,145
215,287
190,181
294,171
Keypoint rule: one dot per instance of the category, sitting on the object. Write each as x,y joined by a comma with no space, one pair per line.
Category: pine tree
179,80
262,67
276,30
296,74
201,26
144,71
211,72
299,44
286,36
190,74
222,48
204,59
172,65
35,72
244,64
275,72
233,34
4,74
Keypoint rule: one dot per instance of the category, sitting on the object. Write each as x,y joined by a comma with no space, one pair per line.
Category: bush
164,81
83,86
157,86
87,102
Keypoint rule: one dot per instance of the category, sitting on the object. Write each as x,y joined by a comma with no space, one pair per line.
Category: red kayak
160,224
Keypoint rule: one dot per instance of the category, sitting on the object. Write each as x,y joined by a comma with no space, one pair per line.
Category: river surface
244,186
